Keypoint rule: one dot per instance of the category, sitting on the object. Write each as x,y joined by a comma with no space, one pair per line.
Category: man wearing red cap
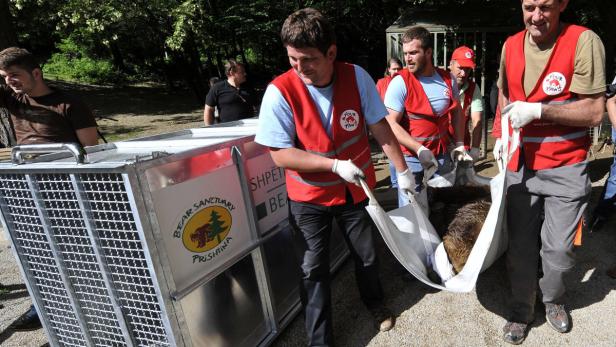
461,66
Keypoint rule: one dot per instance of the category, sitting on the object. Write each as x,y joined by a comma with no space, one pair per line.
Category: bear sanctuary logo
349,120
554,83
204,228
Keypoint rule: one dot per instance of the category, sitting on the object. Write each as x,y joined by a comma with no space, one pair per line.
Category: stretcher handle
371,196
508,148
367,190
18,152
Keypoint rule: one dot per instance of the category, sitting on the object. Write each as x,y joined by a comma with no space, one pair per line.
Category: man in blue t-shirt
310,130
417,49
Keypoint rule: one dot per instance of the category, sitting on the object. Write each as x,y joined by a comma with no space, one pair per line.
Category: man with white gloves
552,84
419,101
315,120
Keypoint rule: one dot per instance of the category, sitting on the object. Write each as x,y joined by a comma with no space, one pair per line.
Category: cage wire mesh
83,212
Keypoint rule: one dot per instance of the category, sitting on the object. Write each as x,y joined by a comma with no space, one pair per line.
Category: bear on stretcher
458,214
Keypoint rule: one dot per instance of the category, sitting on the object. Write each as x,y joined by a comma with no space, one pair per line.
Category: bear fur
458,214
463,232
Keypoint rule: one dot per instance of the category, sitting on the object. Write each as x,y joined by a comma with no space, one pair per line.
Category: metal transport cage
180,239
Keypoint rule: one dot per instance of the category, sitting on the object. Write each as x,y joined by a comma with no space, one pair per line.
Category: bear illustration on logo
349,120
554,83
206,229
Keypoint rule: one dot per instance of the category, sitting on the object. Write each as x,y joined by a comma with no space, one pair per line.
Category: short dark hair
394,60
418,33
231,66
15,56
308,28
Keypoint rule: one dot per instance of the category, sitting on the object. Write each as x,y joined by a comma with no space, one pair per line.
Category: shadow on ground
587,283
352,323
107,101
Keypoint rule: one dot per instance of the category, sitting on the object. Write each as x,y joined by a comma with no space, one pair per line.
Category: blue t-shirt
434,87
276,126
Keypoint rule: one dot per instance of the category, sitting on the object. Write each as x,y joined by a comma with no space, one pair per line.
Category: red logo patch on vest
446,93
349,120
554,83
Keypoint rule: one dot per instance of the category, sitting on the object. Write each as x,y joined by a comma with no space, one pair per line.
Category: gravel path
16,301
428,317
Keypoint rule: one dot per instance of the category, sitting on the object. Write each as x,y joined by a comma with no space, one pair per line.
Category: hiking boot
557,317
514,333
383,317
27,321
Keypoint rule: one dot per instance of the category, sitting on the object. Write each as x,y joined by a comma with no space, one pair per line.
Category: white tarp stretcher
414,242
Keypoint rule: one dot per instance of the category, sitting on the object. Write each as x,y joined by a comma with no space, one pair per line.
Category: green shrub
73,63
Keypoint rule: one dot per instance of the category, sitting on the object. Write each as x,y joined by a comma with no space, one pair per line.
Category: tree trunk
240,43
118,58
8,37
211,66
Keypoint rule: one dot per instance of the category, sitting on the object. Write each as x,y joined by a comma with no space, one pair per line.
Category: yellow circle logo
206,229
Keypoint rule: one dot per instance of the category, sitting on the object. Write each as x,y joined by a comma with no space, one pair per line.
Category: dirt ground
137,111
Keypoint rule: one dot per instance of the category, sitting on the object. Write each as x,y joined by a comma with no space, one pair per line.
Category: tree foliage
187,41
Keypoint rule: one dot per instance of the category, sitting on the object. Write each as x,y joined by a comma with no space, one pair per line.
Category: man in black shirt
232,101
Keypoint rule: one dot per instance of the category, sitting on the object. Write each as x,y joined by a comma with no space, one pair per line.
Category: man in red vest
419,101
461,66
552,84
315,118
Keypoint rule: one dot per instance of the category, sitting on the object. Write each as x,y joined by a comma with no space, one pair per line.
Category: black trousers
312,228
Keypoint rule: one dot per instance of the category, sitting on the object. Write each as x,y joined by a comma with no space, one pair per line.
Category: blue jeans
392,175
608,197
444,165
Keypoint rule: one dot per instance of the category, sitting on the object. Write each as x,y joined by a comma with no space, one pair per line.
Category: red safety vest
420,121
382,84
350,138
547,144
496,126
468,99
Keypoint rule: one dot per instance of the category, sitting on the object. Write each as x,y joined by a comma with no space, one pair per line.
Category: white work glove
521,113
406,181
428,162
348,171
426,158
498,149
459,153
475,153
